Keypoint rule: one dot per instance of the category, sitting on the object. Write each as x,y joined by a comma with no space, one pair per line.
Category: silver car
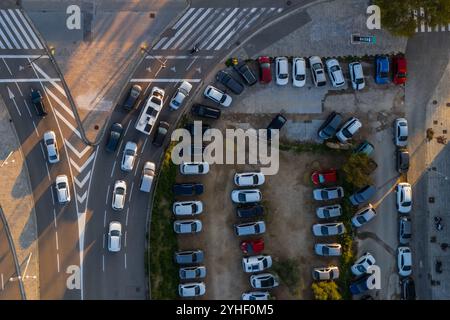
405,230
327,212
328,249
255,295
250,228
187,273
328,229
193,289
256,263
129,156
363,216
52,146
328,193
187,226
264,281
326,273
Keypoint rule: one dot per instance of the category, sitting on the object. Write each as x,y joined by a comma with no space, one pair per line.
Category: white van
148,173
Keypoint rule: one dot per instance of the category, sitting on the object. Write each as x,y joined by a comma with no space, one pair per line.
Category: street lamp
144,49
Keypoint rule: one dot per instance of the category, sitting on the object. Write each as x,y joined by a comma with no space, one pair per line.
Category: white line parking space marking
28,108
20,91
104,218
165,80
103,262
57,261
30,30
54,218
104,240
7,67
28,80
35,129
57,243
125,256
119,148
107,194
112,170
126,216
43,152
53,197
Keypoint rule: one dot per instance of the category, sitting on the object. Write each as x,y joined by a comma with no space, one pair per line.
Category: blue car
382,69
360,285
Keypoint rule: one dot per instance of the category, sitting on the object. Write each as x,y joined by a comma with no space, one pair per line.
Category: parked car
62,189
246,73
187,226
329,127
180,95
404,261
360,285
404,197
381,69
189,257
252,246
401,132
364,147
402,157
132,97
187,189
328,193
265,72
298,72
147,176
249,179
264,281
115,134
363,215
335,73
250,228
119,195
349,129
188,273
276,124
328,249
193,129
228,81
217,96
281,71
407,289
192,151
246,196
356,75
161,132
328,229
362,264
331,211
193,289
207,112
193,168
325,273
363,195
317,71
51,145
187,208
399,69
405,230
38,103
256,263
114,236
129,156
255,295
250,211
324,177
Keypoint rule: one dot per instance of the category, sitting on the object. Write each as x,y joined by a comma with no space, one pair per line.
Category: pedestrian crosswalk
16,32
212,28
422,27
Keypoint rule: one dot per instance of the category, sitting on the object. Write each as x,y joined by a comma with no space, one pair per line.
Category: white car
62,188
256,263
349,129
404,197
327,212
404,261
335,73
328,229
362,264
249,179
328,249
218,96
52,146
255,295
298,72
129,156
187,226
325,273
363,216
181,94
191,168
119,195
330,193
192,289
114,236
264,281
150,112
281,71
317,72
356,75
401,132
187,208
246,196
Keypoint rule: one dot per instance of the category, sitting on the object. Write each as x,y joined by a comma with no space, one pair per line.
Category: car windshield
325,250
115,233
324,194
162,130
265,65
283,76
317,66
407,203
359,80
324,230
300,77
50,142
255,179
241,197
361,219
222,100
383,74
175,102
334,68
61,185
120,190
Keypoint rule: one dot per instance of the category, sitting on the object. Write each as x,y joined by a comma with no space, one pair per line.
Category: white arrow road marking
82,198
52,81
77,153
70,112
149,69
83,182
173,69
80,169
71,127
12,97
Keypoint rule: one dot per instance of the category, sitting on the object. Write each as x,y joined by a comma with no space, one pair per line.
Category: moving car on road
160,135
246,196
404,261
404,197
329,127
115,134
363,216
327,212
317,71
187,208
324,176
187,226
180,95
129,156
148,174
250,228
255,295
114,236
150,112
193,289
249,179
335,73
328,229
228,81
119,195
401,132
193,168
188,273
189,257
348,130
362,195
265,72
256,263
328,249
217,96
52,146
132,97
281,71
207,112
264,281
328,193
246,73
363,263
36,99
356,75
187,189
298,72
325,273
62,189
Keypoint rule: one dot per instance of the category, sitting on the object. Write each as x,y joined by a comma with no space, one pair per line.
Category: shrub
357,170
288,272
326,290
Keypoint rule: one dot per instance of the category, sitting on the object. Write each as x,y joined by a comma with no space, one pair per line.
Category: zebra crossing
212,28
422,27
16,32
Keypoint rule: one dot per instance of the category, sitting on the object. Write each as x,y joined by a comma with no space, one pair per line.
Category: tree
357,170
326,290
398,18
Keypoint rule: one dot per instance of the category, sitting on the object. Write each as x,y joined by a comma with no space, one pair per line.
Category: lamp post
144,49
52,52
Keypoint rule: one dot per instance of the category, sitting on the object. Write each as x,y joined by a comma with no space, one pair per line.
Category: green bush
357,170
288,272
326,290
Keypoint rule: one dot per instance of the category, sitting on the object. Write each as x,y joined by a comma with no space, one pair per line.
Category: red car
252,246
399,69
324,177
265,74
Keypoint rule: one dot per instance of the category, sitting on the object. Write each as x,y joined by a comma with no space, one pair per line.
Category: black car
408,289
250,211
195,150
203,111
36,99
161,133
246,73
360,285
132,97
228,81
277,123
328,129
190,127
402,160
187,189
115,134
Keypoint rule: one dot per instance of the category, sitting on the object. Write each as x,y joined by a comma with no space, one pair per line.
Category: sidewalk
17,202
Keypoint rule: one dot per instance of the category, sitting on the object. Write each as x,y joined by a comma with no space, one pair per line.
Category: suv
276,124
356,75
329,127
203,111
256,263
405,230
362,195
281,71
36,99
250,228
317,71
132,97
402,160
228,81
246,73
250,211
348,130
115,134
181,94
189,257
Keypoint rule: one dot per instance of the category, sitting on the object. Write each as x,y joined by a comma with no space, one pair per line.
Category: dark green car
364,147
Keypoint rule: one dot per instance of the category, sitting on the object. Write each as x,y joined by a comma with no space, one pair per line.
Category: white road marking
81,169
137,166
112,170
28,80
5,26
54,218
228,27
7,67
52,81
165,80
192,28
125,256
234,30
53,197
2,46
422,23
262,10
43,153
30,30
125,242
208,22
57,243
107,194
74,150
35,129
57,261
159,44
180,31
190,64
81,183
104,240
126,217
82,198
126,130
145,143
48,172
15,104
67,123
103,262
20,91
178,57
119,148
28,108
23,56
208,29
104,217
11,12
2,35
184,17
217,29
51,94
131,192
3,284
